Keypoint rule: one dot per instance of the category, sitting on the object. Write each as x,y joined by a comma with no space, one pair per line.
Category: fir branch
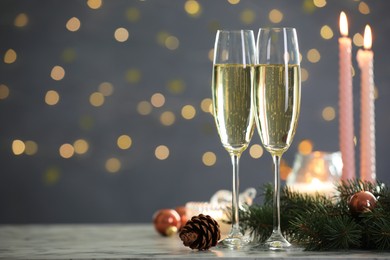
258,220
341,232
384,197
377,226
304,231
322,223
350,187
268,193
319,227
380,234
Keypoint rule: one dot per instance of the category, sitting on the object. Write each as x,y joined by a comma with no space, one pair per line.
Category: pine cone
201,232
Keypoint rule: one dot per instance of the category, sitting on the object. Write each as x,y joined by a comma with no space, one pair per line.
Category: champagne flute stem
276,202
235,195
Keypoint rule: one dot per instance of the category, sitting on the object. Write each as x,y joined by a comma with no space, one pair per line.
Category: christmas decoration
362,201
183,215
219,206
166,222
316,172
318,222
201,232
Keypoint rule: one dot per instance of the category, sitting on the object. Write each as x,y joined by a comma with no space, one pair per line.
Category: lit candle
317,172
346,130
367,110
326,188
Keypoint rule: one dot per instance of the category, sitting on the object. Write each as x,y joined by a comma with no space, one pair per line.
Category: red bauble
183,215
362,201
166,222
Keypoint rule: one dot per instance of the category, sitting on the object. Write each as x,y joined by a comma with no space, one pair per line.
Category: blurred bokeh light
105,106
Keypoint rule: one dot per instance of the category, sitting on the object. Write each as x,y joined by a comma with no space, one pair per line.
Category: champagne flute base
277,242
234,242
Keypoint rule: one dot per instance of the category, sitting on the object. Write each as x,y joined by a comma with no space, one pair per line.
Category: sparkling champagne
233,112
277,97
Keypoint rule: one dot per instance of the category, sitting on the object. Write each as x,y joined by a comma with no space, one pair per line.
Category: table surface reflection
129,241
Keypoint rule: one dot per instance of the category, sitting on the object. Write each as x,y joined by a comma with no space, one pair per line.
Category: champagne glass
276,99
233,67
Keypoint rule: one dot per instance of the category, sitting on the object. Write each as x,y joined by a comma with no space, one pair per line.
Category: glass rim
276,28
234,30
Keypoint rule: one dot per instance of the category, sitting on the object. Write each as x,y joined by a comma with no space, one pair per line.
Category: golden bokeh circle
161,152
18,147
96,99
57,73
21,20
73,24
275,16
124,142
81,146
305,147
328,113
192,7
188,112
167,118
313,55
52,97
121,34
207,105
31,147
94,4
157,100
209,158
256,151
113,165
10,56
326,32
144,108
106,88
4,91
66,151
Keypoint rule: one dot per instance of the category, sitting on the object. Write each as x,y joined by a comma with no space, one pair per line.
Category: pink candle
346,129
367,110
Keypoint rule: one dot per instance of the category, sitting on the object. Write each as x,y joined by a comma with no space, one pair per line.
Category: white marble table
128,241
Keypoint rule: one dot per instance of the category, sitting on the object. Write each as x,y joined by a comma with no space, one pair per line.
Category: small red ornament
362,201
183,215
166,222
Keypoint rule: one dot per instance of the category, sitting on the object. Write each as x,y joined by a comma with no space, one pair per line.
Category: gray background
46,188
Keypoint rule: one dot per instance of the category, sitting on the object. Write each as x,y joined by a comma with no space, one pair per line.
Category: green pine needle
350,187
342,232
377,224
258,220
380,231
318,222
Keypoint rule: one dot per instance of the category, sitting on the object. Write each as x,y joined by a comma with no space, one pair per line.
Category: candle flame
343,24
315,181
367,37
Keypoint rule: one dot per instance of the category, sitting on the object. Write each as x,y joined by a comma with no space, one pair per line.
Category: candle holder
316,172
